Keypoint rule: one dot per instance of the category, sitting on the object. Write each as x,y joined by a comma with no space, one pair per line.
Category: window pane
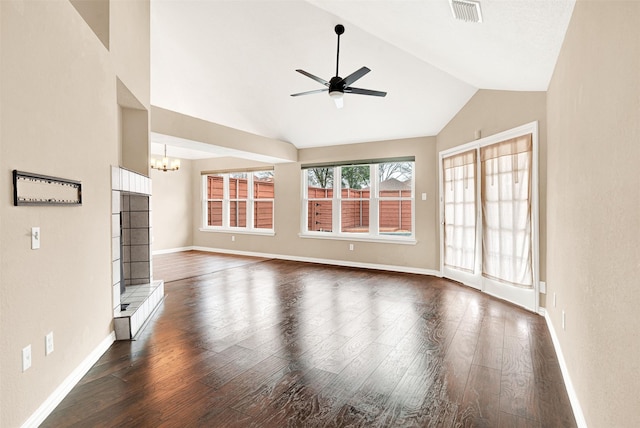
395,217
355,216
214,213
263,185
506,212
238,185
395,179
319,216
396,196
237,214
355,177
215,185
459,193
320,178
263,214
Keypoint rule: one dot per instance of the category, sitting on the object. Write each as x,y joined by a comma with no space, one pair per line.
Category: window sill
238,231
360,238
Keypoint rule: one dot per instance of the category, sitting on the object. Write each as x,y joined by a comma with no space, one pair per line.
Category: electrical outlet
350,247
233,238
564,318
543,287
26,358
48,343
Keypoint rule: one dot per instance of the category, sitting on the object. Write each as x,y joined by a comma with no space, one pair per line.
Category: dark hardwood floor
245,342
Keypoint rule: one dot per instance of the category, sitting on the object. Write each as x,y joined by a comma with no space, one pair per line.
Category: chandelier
163,165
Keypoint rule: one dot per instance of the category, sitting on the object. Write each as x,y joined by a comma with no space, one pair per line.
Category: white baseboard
171,250
67,385
573,397
345,263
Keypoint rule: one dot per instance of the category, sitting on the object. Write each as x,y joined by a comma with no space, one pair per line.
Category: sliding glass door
489,215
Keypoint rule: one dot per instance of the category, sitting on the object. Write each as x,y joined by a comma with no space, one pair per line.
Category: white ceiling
233,62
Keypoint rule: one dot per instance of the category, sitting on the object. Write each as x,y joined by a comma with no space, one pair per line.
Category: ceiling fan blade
355,76
364,92
315,91
316,78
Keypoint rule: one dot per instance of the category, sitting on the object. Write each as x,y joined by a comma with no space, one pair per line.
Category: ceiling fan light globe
337,97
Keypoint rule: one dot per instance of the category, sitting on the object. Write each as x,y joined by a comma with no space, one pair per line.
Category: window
239,201
368,201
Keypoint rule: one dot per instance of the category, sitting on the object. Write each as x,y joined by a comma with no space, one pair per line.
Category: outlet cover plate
48,343
26,358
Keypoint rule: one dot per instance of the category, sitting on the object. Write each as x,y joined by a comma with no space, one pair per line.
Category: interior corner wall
172,217
491,112
96,15
130,47
593,106
135,149
286,242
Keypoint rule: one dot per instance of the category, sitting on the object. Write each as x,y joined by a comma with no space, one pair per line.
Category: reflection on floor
272,343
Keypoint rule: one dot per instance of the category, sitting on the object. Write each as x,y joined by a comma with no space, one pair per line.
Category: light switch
424,196
35,238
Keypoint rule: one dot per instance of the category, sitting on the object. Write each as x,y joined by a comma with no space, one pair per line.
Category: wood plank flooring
246,342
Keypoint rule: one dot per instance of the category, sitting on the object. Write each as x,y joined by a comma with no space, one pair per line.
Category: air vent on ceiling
466,10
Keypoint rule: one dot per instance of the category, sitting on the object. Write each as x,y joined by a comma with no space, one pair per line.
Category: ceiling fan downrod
339,31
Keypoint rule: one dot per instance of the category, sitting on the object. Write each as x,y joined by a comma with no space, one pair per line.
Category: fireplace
135,293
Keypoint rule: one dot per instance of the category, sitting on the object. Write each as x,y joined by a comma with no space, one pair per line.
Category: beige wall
168,122
59,117
171,209
96,15
135,148
286,242
593,266
129,46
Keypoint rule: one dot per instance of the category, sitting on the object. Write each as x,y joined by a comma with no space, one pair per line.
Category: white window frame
226,206
373,235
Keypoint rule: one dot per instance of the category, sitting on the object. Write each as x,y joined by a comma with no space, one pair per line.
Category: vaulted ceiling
233,62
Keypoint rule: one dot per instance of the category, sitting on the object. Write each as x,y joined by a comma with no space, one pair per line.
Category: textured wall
593,267
171,208
59,118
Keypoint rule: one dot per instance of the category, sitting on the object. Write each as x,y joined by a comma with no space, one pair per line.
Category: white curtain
460,211
506,211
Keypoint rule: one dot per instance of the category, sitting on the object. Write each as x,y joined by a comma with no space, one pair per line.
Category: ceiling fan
338,86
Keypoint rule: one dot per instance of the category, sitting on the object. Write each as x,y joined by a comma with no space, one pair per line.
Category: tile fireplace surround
135,293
